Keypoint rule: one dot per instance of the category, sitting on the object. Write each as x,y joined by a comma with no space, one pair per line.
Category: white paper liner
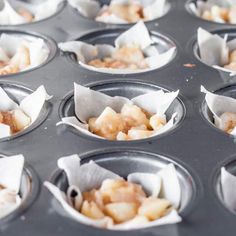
11,169
151,182
137,35
90,103
31,105
131,37
218,105
9,202
170,185
10,16
228,185
214,50
87,8
90,175
91,9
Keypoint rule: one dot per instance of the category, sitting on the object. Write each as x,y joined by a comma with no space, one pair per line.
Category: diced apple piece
134,116
232,56
157,121
122,137
95,196
21,59
139,134
232,15
207,15
121,191
140,127
26,14
91,210
108,124
153,208
231,66
121,211
129,54
20,119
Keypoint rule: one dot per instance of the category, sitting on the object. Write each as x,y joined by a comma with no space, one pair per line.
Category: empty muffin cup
28,191
17,94
128,90
125,162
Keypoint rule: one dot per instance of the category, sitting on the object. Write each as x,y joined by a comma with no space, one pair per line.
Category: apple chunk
121,211
153,208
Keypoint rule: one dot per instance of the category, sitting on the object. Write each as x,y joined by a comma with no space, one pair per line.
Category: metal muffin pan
194,144
128,89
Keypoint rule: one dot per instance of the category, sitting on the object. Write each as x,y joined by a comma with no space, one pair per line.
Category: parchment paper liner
11,169
90,175
218,104
90,103
137,35
214,50
228,185
30,105
91,9
9,16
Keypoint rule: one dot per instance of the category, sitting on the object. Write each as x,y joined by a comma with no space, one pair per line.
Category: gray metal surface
195,145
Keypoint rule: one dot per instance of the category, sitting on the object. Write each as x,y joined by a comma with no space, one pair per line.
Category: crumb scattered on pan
189,65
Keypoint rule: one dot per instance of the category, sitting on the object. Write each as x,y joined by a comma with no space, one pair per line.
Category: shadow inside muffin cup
229,91
49,43
128,89
17,93
20,3
108,36
124,162
168,6
28,192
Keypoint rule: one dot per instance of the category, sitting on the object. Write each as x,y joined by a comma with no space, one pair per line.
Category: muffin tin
195,146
